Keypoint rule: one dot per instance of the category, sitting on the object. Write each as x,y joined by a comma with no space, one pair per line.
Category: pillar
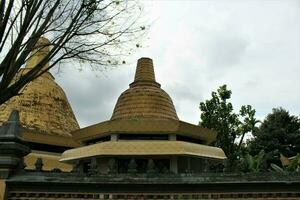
114,137
172,137
173,165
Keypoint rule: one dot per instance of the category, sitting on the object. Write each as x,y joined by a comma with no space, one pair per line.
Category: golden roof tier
142,148
144,98
43,106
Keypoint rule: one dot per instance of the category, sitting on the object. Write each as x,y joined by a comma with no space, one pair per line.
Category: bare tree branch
91,31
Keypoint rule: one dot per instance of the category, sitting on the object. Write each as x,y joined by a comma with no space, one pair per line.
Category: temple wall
50,161
182,164
141,196
188,164
196,165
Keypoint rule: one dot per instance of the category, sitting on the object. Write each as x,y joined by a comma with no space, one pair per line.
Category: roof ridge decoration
11,129
144,99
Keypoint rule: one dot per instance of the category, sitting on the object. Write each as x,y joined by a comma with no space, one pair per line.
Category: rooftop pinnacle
144,70
144,74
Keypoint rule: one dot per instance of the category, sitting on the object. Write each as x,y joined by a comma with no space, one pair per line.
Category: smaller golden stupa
144,131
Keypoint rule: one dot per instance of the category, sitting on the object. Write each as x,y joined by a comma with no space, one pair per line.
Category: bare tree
98,32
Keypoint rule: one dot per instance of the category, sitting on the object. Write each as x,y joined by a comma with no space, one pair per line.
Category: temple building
144,151
144,127
144,130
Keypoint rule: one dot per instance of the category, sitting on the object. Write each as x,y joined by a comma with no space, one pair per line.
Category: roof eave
144,126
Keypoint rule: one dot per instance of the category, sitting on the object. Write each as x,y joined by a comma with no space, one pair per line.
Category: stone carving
112,166
150,167
94,168
132,167
78,168
56,170
39,164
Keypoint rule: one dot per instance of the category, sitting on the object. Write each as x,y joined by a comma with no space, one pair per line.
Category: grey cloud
225,51
93,97
186,93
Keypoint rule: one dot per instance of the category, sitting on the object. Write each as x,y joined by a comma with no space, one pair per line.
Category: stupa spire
41,49
144,70
144,74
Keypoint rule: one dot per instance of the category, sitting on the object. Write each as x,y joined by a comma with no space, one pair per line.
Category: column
173,164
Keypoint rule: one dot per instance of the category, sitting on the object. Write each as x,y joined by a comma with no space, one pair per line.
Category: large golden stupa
46,116
43,106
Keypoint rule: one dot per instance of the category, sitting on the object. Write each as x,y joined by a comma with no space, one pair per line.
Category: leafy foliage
294,165
255,163
279,133
276,168
218,114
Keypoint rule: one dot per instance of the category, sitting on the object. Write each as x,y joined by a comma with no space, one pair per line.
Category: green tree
278,133
249,163
218,114
96,32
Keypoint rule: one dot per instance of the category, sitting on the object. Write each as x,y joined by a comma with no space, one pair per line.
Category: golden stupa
43,105
144,108
144,98
144,125
46,116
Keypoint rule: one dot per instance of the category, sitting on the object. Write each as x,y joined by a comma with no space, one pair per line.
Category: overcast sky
196,46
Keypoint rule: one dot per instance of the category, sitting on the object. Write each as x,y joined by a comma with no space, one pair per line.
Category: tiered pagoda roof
143,123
